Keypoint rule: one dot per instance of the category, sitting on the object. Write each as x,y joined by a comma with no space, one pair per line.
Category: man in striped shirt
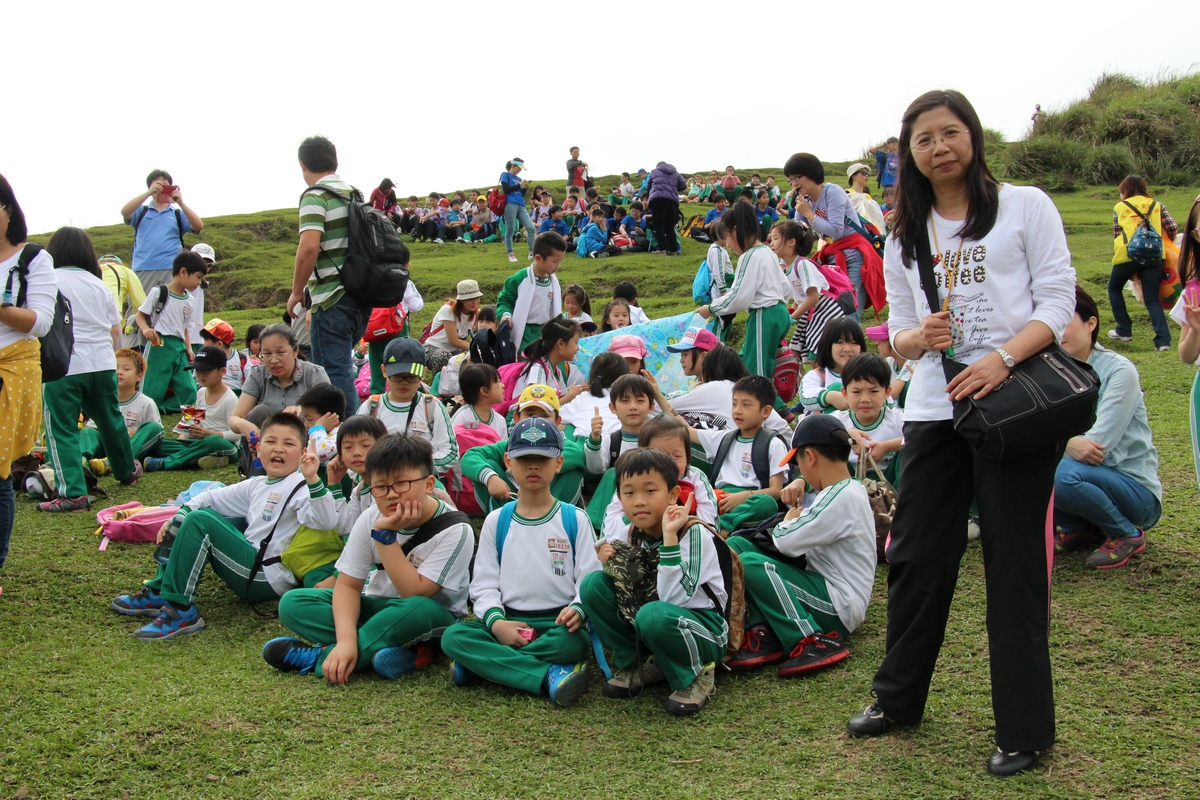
338,322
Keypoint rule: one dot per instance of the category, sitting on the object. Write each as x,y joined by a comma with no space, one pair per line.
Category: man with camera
159,219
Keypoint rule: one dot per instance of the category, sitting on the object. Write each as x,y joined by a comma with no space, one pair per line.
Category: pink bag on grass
132,522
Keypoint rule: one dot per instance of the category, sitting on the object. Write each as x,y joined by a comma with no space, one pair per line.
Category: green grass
88,712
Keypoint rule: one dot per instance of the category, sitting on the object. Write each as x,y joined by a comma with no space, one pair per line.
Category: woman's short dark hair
741,221
805,165
279,329
1134,186
17,231
842,329
723,364
318,154
72,247
1087,309
914,192
358,425
606,368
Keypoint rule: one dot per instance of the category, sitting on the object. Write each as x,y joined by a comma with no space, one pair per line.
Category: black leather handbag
1046,399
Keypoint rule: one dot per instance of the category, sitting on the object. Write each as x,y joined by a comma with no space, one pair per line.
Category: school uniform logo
269,509
747,465
559,548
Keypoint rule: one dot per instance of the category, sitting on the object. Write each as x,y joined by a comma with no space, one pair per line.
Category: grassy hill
89,712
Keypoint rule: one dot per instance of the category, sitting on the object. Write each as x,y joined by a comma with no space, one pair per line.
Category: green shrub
1111,85
1110,163
1047,155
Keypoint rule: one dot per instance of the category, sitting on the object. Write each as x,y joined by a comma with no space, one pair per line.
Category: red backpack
384,323
462,491
496,201
787,373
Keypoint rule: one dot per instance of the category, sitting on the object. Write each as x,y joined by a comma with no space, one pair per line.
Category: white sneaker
512,257
1162,348
1116,337
438,241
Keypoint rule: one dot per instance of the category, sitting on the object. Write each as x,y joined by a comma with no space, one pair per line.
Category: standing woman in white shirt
90,385
1012,294
20,353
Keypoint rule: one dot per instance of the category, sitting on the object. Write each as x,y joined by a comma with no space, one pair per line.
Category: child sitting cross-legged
481,388
142,421
203,436
416,552
802,611
872,421
533,553
748,464
272,506
684,629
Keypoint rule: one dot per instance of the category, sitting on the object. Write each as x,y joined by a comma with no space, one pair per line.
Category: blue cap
535,437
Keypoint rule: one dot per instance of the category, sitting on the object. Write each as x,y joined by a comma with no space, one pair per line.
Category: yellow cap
541,395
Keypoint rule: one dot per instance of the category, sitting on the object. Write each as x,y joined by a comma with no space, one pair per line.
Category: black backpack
484,348
59,342
760,456
506,348
374,273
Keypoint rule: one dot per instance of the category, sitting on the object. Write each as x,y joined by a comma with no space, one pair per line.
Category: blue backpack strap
502,525
570,523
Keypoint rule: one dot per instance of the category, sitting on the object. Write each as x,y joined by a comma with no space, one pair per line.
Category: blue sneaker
566,683
171,622
460,675
392,662
145,603
153,464
287,654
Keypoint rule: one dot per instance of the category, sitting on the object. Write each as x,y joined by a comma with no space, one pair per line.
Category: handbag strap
861,472
929,279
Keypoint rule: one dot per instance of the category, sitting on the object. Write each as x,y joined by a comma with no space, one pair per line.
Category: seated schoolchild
533,553
219,333
271,506
555,222
355,438
402,578
902,368
821,388
481,388
748,467
684,630
593,239
322,408
669,435
142,421
804,611
874,423
455,226
405,409
487,469
203,436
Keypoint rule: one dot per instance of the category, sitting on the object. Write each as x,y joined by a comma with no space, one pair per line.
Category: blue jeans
1150,278
1105,497
7,510
335,331
514,213
854,264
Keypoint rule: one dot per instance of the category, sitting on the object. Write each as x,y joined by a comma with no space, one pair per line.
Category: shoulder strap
373,406
614,447
266,542
570,522
432,528
925,270
28,254
502,526
722,454
760,457
411,410
1145,217
179,222
159,304
137,218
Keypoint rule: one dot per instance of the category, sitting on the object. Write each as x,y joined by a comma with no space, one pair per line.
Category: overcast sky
437,96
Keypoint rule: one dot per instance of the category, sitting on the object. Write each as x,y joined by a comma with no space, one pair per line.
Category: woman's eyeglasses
926,143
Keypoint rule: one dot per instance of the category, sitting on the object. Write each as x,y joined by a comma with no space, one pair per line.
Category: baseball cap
205,251
857,167
404,355
444,202
220,330
482,198
817,429
878,333
535,437
627,346
110,257
587,326
518,162
209,357
539,394
468,290
695,339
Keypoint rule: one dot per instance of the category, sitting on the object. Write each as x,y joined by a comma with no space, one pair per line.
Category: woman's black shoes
1004,765
869,722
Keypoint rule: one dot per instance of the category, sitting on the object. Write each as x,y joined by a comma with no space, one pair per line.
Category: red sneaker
759,646
813,653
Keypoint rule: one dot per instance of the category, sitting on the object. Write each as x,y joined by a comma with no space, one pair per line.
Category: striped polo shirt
322,211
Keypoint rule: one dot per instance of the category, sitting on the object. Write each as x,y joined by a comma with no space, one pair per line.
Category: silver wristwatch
1008,360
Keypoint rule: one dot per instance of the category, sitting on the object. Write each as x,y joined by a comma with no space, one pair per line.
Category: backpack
786,376
59,342
570,523
362,383
760,456
634,571
1145,247
702,285
384,323
429,330
374,401
694,228
137,218
448,386
734,578
461,489
374,273
840,289
506,348
484,347
509,373
496,201
760,536
132,522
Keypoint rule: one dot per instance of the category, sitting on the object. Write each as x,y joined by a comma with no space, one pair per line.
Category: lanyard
951,274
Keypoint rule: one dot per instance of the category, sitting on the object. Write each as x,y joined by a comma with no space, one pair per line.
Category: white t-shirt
889,425
428,420
468,414
738,469
176,315
40,296
560,378
579,412
637,316
803,275
93,317
216,416
1019,272
445,559
443,317
139,410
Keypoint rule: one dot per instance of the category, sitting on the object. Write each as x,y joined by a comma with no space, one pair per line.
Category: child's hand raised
329,421
309,463
673,520
597,424
335,470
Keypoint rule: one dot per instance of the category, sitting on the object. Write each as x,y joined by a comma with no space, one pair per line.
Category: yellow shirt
123,283
1129,221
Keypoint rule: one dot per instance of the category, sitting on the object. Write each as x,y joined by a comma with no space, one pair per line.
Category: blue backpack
702,285
1145,247
569,520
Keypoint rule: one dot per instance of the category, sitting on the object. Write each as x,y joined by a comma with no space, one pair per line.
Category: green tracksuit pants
682,640
754,510
794,603
531,334
472,645
207,537
765,328
166,367
181,453
95,394
382,622
144,441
